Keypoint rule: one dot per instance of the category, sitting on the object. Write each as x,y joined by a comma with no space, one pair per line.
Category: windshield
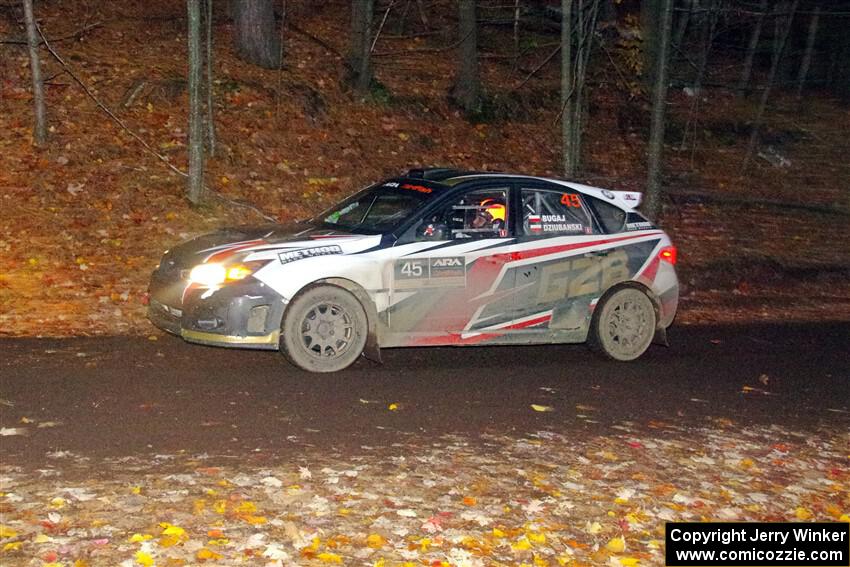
380,208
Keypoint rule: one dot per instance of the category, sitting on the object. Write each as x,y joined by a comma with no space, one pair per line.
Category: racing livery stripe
465,245
477,337
222,254
649,271
537,252
323,236
456,243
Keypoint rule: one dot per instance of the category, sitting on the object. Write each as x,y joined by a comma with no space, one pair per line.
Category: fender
372,350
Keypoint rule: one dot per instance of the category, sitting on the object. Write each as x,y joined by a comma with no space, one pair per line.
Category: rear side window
547,212
612,219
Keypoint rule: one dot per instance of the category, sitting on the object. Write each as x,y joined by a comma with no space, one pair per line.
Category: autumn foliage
85,219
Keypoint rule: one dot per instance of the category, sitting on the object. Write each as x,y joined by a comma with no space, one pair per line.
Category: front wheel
624,325
324,329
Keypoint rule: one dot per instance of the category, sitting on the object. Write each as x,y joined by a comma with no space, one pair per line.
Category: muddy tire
324,329
624,325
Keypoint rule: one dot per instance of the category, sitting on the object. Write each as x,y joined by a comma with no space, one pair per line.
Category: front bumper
245,315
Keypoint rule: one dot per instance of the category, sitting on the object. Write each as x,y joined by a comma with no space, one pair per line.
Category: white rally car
435,257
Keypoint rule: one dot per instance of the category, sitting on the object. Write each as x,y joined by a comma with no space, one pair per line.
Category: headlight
210,275
214,275
238,272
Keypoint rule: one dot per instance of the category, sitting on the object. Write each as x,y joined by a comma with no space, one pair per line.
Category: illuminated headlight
209,275
214,275
238,272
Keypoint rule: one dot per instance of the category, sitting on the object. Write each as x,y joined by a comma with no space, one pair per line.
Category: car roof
598,192
450,177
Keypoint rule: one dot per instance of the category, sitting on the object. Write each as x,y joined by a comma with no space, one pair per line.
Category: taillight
668,254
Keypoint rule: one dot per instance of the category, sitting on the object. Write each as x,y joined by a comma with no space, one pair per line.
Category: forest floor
86,218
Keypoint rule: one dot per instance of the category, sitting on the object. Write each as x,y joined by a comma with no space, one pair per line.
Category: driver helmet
495,208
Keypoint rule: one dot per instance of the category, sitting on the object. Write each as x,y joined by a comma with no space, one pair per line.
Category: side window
482,213
612,218
548,212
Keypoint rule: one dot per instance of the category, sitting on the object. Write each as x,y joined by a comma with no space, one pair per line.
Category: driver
490,214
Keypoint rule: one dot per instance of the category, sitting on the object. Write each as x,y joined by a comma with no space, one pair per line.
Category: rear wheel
324,329
624,325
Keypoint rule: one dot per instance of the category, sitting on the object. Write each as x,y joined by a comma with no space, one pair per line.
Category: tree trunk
807,55
840,80
360,58
467,88
751,48
255,34
39,132
195,188
516,31
682,26
567,88
709,25
774,66
652,204
585,32
649,24
210,109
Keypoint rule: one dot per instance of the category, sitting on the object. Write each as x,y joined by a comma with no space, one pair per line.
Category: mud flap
372,350
661,337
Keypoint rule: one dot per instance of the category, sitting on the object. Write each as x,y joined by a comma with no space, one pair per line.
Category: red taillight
668,254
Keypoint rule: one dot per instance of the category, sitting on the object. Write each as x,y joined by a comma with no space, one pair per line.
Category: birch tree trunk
467,88
210,109
774,66
652,202
360,56
195,187
39,132
807,54
567,88
751,48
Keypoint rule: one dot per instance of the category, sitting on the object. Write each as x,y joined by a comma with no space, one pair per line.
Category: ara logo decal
448,267
447,263
294,255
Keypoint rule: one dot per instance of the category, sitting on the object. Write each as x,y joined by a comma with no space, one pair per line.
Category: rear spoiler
631,199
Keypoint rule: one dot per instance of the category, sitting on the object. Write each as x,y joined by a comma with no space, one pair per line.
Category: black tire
624,325
324,329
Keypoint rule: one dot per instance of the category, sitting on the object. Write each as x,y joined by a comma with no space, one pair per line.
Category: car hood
222,243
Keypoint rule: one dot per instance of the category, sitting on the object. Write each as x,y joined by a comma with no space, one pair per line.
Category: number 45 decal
571,201
411,270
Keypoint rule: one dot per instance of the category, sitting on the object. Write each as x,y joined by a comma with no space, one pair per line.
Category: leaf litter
540,499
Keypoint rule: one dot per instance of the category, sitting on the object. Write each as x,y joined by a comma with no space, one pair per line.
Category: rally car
434,257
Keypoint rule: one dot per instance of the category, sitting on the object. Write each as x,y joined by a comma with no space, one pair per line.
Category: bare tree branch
72,35
139,139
